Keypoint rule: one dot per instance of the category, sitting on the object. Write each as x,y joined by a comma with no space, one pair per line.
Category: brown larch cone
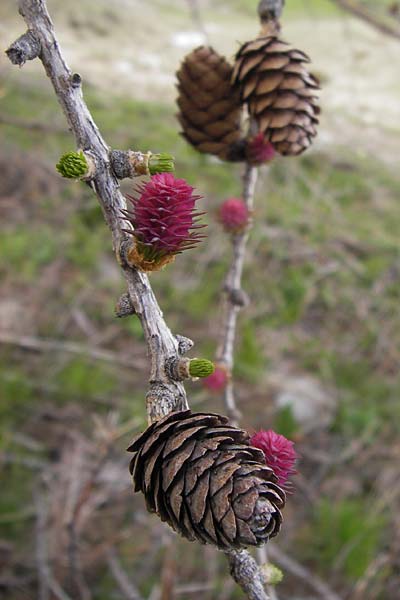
210,111
202,477
280,93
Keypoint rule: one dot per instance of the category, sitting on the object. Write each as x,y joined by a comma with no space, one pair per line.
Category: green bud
161,163
273,575
201,367
72,165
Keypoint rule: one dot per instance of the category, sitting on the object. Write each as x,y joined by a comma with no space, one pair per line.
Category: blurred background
318,349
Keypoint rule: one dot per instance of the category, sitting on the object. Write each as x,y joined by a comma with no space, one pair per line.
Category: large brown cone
202,477
279,92
210,111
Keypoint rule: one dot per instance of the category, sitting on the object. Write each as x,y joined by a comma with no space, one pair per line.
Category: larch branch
164,394
234,295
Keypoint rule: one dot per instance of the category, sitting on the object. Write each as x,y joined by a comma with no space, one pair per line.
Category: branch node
160,401
238,297
26,47
178,368
184,344
123,252
270,10
124,307
76,80
128,164
130,255
121,165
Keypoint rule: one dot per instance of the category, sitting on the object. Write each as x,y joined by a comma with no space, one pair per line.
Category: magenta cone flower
260,150
279,453
234,215
216,382
164,218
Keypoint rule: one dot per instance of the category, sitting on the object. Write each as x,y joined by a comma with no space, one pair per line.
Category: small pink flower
164,217
233,215
260,150
279,453
216,382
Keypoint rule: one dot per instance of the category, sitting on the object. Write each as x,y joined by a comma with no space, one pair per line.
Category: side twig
48,586
125,585
197,18
35,344
32,125
235,297
380,24
299,571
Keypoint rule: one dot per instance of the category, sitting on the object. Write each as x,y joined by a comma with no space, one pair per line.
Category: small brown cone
210,111
280,93
202,477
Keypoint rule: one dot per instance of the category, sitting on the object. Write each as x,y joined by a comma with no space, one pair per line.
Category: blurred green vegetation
346,535
28,250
